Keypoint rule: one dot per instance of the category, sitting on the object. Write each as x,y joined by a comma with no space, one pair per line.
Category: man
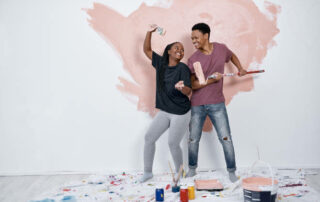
208,98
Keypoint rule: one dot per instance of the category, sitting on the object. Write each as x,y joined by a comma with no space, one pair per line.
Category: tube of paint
161,31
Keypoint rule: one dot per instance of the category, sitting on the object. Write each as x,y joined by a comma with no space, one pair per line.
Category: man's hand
216,76
242,72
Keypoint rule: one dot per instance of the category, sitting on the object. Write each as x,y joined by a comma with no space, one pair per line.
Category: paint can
191,192
260,189
159,194
184,194
175,189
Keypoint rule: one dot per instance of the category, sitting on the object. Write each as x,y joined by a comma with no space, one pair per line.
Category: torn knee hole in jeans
225,138
192,140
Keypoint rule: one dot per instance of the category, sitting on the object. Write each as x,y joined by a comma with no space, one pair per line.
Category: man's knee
226,138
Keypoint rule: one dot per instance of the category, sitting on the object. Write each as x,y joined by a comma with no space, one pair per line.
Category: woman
173,87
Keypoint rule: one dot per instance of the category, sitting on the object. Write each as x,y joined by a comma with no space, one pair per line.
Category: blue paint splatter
69,199
45,200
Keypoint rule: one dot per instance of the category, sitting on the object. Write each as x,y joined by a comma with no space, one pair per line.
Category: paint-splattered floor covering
125,187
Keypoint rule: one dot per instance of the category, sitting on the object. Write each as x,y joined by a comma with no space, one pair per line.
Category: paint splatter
239,24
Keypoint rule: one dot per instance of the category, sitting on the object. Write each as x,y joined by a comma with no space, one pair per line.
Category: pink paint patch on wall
246,30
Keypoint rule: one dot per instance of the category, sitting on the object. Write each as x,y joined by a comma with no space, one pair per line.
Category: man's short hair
203,28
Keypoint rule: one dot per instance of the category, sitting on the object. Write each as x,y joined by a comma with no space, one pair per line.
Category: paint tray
208,185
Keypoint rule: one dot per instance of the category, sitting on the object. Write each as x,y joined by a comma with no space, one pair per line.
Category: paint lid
191,184
183,187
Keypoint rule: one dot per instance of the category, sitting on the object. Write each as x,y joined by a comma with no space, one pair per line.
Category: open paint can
260,189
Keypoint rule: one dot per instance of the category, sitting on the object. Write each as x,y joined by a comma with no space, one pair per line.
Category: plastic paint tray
208,185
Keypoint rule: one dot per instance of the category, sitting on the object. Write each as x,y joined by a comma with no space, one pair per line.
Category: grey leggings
178,126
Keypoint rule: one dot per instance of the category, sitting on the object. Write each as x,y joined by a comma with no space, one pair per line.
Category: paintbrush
171,172
180,171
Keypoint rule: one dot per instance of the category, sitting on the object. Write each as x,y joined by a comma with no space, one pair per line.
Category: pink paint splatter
238,23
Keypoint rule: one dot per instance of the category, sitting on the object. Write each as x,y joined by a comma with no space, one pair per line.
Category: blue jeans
219,118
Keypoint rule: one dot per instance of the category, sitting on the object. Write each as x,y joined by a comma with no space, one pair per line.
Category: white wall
60,109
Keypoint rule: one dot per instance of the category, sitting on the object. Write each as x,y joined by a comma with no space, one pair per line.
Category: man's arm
236,62
195,84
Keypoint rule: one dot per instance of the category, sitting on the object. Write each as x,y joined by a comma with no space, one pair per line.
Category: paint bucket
159,194
260,189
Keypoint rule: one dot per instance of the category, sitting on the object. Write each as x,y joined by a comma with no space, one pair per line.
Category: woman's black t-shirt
170,99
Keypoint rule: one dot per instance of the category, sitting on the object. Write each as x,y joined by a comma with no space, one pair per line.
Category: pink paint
237,23
199,73
257,183
208,184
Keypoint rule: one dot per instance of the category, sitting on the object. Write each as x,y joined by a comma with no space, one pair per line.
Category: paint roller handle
269,167
252,72
216,75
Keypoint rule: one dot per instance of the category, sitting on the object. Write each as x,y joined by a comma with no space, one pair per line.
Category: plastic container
191,192
260,189
184,194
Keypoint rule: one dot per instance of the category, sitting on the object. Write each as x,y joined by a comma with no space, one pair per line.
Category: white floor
26,188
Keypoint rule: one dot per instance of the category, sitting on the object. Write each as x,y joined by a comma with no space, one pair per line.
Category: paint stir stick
234,74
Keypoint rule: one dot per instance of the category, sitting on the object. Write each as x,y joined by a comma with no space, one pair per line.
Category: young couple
174,83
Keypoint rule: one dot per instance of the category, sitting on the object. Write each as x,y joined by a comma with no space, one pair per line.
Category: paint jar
159,194
175,188
191,192
184,194
161,31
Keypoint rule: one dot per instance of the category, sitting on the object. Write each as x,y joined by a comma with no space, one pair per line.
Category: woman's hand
152,28
179,86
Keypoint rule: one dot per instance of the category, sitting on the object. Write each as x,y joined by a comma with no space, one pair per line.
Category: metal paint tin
159,194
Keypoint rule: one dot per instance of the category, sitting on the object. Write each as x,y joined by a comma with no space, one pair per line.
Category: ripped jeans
219,118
